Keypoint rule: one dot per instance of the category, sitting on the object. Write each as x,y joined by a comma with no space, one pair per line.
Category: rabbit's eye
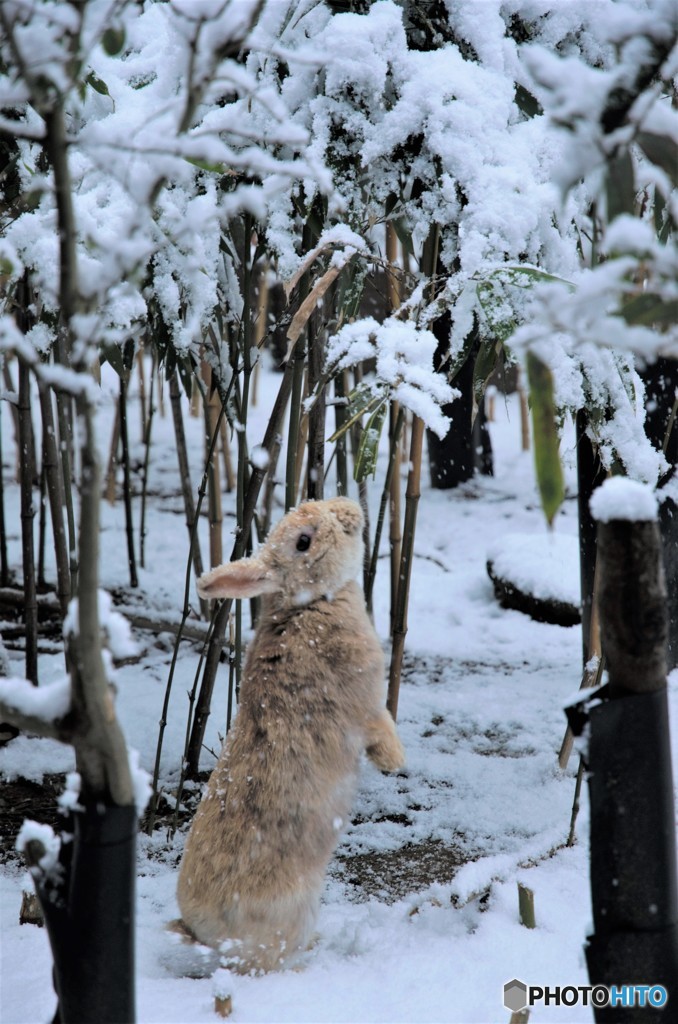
304,542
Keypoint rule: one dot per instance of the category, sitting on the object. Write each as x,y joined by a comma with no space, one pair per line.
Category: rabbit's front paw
383,745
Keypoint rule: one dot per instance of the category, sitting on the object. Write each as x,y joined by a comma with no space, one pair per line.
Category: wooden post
634,889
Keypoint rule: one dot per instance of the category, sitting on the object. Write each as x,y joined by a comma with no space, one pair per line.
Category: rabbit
311,700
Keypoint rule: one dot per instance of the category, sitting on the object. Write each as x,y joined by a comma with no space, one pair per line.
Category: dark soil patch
392,875
21,799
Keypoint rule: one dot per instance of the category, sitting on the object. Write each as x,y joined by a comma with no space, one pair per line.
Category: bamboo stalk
127,484
526,906
340,419
576,803
395,536
143,414
109,490
186,489
315,421
26,461
211,409
301,446
593,669
4,562
229,473
50,462
385,494
42,528
412,495
11,389
395,532
271,484
63,404
291,472
189,723
260,326
147,427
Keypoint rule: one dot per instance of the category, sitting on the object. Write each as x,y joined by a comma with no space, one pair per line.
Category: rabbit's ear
246,578
348,513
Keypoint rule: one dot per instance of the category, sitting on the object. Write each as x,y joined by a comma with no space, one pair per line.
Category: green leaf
650,310
457,361
484,366
186,370
392,201
366,458
546,441
205,165
113,354
620,186
113,40
526,102
97,84
361,400
403,233
662,151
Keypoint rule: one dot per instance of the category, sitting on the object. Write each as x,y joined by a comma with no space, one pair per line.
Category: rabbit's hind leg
274,934
382,743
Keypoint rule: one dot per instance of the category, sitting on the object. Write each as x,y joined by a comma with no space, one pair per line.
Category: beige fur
312,699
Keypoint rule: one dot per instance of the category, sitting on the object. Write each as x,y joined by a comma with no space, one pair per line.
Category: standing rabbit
312,699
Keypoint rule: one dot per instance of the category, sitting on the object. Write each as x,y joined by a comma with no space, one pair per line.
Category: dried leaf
302,315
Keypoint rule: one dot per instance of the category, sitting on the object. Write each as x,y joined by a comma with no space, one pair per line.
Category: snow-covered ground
481,719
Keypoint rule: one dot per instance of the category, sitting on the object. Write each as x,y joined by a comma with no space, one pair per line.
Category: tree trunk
466,447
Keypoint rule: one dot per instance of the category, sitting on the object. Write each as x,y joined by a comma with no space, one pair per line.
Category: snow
34,832
404,362
545,566
621,498
47,703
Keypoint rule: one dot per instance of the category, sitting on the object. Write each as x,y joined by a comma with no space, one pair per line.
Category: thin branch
61,729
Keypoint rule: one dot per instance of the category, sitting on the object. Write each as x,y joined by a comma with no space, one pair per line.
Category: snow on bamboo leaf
546,440
366,459
404,365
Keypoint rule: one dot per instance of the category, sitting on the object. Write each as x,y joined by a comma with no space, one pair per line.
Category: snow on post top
622,498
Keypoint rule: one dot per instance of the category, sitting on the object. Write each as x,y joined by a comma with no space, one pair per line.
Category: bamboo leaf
113,354
368,449
458,360
546,440
97,84
662,151
205,165
528,103
403,233
650,310
620,186
113,40
361,400
484,366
